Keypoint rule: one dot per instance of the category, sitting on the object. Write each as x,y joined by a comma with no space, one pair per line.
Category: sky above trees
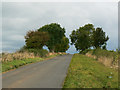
18,18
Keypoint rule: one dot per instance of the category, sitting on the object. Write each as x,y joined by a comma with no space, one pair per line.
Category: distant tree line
53,36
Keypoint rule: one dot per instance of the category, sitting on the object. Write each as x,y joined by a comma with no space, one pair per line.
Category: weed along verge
6,66
86,72
106,57
9,65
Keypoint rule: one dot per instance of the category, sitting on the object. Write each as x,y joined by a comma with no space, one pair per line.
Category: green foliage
36,40
38,52
104,46
85,51
17,63
63,46
87,36
99,38
105,53
56,33
85,72
52,35
81,38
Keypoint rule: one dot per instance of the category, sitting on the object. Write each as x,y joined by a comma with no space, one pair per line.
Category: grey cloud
10,46
18,18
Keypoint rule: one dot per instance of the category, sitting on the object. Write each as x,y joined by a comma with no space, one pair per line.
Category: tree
81,38
63,46
36,40
56,33
99,38
87,36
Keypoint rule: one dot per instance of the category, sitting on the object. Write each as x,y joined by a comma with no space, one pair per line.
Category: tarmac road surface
45,74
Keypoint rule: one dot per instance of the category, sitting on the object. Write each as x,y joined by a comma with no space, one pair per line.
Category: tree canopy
36,40
63,46
87,36
56,33
81,37
52,35
99,38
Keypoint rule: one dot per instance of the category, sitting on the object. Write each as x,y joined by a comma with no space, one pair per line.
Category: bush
107,57
23,54
38,52
105,53
85,51
43,53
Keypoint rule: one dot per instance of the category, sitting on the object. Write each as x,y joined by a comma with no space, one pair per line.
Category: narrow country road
46,74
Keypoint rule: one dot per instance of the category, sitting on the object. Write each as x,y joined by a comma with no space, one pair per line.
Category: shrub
105,53
38,52
106,57
23,54
85,51
43,53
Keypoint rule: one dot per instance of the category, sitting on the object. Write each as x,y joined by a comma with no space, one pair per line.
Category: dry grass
16,56
15,60
59,53
111,61
90,55
22,55
106,61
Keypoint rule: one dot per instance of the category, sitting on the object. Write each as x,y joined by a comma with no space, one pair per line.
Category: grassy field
6,66
85,72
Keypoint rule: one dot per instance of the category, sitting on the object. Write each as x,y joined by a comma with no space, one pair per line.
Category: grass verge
6,66
85,72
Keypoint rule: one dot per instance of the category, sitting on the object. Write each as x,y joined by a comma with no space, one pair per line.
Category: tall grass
16,56
37,52
24,54
104,53
108,58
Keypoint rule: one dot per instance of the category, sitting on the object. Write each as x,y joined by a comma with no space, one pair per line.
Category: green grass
85,72
105,53
17,63
6,66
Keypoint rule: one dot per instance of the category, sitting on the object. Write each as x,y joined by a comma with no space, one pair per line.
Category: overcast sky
20,17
